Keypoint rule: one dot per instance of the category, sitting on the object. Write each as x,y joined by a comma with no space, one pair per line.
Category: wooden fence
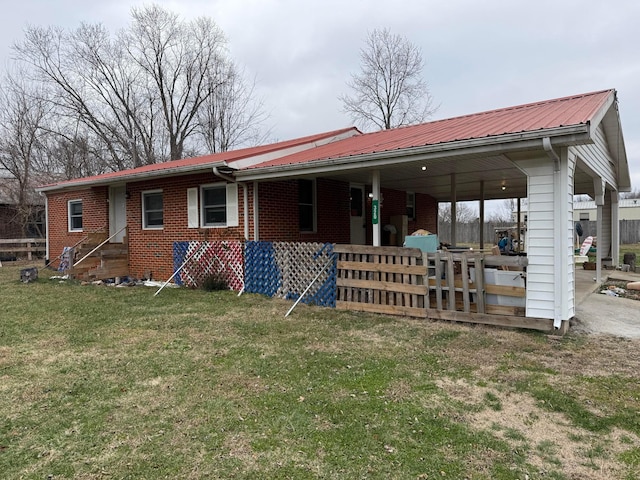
14,248
381,280
464,287
470,233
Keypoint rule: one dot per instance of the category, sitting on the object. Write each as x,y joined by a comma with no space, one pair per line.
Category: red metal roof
195,162
560,112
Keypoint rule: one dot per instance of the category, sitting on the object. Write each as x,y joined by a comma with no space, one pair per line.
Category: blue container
426,243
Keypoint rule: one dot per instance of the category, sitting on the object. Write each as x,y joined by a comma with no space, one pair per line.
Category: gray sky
478,55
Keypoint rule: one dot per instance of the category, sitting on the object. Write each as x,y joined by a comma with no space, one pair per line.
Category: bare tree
389,91
180,60
137,97
231,115
504,212
465,213
23,156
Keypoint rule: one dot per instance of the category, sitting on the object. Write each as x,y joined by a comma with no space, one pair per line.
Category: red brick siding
394,202
151,251
95,217
278,215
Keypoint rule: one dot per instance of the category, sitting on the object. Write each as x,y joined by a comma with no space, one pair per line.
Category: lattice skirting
204,259
279,269
285,270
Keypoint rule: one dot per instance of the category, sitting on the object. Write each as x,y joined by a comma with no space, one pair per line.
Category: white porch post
615,230
375,189
256,228
454,210
598,187
481,214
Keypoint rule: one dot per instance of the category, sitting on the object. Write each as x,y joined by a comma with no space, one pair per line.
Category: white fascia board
493,145
599,115
265,157
133,177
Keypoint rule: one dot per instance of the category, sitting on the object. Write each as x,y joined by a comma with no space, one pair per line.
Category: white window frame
231,205
314,205
143,211
411,203
69,216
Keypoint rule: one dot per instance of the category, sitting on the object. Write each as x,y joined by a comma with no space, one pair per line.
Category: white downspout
557,226
245,198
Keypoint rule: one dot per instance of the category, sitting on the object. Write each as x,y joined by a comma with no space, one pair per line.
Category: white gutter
577,134
245,197
125,178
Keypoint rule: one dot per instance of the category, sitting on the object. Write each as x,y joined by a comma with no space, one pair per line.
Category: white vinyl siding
597,157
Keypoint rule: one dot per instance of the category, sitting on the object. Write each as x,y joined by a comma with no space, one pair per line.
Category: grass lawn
103,382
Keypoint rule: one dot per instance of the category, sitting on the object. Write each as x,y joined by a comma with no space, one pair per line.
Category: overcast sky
479,55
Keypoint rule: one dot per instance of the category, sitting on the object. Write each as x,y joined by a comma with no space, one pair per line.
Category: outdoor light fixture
424,168
504,187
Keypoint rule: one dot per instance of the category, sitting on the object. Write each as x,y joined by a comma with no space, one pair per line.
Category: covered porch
545,152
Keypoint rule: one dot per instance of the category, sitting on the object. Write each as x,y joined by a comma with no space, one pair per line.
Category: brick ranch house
322,188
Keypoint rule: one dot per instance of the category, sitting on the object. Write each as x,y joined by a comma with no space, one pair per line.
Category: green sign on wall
375,212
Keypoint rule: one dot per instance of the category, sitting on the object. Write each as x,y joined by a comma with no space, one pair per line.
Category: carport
546,152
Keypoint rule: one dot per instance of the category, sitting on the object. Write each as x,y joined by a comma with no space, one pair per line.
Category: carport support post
454,210
615,230
375,217
481,214
598,187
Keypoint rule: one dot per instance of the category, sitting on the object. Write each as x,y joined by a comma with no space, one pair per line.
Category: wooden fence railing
440,285
381,279
21,247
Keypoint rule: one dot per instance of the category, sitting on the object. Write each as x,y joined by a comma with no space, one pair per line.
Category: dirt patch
547,440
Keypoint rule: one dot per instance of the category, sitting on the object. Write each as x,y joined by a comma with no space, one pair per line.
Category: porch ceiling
496,171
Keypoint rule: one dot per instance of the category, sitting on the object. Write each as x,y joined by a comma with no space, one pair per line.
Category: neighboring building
629,209
317,188
11,216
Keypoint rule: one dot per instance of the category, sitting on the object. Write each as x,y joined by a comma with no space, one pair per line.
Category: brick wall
151,251
394,202
95,217
279,217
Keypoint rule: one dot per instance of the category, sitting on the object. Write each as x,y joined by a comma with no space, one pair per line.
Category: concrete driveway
601,314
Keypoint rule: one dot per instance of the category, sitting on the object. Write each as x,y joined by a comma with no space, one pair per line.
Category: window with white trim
152,210
213,206
584,216
411,205
75,215
307,205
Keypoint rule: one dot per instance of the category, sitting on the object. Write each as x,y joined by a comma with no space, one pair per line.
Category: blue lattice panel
285,270
204,259
262,274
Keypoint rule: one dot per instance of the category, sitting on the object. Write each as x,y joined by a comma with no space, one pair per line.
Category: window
217,206
584,216
214,206
306,205
152,209
75,215
411,205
